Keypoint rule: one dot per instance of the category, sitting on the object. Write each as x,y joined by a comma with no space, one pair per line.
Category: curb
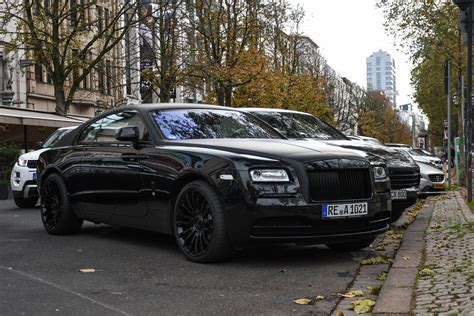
468,215
397,294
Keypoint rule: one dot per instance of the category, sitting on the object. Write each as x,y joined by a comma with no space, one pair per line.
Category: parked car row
221,178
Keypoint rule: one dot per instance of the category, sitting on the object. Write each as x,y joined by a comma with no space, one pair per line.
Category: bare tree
70,39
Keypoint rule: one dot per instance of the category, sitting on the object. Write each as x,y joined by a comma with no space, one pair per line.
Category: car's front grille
32,164
403,179
340,184
436,177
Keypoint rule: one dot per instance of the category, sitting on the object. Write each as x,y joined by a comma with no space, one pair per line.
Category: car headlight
379,172
22,162
269,175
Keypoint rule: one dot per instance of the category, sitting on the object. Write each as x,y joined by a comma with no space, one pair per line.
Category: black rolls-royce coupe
215,177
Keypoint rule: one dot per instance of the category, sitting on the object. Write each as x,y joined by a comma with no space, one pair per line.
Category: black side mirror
128,134
38,145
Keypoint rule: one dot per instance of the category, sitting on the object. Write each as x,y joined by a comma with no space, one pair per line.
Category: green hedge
9,153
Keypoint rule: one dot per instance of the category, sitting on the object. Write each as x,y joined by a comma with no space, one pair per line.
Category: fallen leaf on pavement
382,276
374,289
352,294
406,258
87,270
435,226
376,260
363,305
302,301
320,297
339,313
426,272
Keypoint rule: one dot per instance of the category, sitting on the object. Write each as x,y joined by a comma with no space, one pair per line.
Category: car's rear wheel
56,212
26,202
199,224
352,245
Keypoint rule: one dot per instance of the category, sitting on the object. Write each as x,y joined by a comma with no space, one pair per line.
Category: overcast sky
347,32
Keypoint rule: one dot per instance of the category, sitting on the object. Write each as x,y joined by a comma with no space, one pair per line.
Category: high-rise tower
381,74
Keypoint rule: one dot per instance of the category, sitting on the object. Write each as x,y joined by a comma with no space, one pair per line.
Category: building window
100,77
39,73
128,62
106,18
99,18
73,8
108,74
377,61
75,71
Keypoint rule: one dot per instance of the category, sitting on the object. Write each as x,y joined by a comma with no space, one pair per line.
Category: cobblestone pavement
446,278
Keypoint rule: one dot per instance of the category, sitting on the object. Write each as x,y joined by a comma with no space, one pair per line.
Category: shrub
9,153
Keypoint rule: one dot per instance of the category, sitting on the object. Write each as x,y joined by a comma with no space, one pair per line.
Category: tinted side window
105,129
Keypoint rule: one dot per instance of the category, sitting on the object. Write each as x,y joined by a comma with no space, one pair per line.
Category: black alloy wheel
56,213
199,224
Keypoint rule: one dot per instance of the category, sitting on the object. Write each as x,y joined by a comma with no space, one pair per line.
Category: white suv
23,177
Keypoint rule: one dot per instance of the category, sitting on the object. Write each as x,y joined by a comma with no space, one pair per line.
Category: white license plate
344,210
399,194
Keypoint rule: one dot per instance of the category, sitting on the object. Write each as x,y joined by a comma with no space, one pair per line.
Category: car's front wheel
199,224
56,212
25,202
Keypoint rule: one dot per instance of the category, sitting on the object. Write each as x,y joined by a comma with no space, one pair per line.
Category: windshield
209,124
296,125
54,137
415,152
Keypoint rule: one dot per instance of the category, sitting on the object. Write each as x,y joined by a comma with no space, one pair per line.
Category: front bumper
428,187
294,220
23,182
412,195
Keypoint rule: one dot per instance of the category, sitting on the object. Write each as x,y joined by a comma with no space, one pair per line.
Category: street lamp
466,7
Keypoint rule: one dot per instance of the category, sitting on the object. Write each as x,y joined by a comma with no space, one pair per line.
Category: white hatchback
23,176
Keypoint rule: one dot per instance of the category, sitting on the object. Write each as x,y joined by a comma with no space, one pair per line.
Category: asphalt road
142,273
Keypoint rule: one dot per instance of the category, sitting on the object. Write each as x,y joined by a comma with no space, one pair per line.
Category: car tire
395,215
26,202
199,224
352,245
56,211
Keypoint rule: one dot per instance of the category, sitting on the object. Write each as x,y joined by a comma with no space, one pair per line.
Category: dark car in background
215,177
404,173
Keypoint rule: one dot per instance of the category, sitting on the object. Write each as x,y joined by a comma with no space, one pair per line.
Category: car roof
397,145
170,106
271,110
67,127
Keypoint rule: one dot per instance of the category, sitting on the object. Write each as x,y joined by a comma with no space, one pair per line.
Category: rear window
209,123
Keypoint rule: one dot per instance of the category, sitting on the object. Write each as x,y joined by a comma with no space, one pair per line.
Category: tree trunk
228,95
220,93
61,104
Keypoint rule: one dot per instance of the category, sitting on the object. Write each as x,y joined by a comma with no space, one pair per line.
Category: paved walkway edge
397,294
468,215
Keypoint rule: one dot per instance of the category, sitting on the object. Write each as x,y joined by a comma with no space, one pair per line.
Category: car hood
390,155
275,148
426,169
426,159
33,155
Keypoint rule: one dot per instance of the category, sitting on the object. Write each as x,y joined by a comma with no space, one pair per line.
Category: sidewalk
448,284
433,271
